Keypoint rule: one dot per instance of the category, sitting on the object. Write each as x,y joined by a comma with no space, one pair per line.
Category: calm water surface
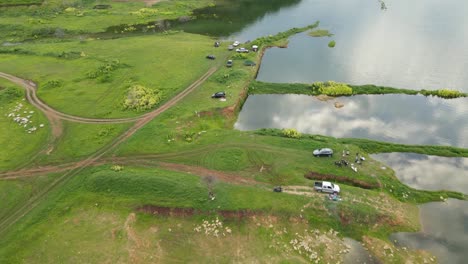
444,224
418,44
392,118
426,172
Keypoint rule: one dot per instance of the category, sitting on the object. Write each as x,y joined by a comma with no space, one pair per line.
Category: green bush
106,69
444,93
332,88
239,56
331,44
291,133
141,98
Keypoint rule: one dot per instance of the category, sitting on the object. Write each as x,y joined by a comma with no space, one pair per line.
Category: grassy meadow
61,19
90,78
100,219
17,145
151,201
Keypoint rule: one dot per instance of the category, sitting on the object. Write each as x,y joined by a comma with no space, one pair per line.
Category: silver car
323,152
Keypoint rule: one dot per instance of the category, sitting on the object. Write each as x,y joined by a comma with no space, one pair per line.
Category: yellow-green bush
141,98
332,88
444,93
291,133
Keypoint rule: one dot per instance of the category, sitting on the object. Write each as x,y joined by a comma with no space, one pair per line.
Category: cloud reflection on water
393,118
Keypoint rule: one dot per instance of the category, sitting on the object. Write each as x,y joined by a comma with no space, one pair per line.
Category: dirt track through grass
49,112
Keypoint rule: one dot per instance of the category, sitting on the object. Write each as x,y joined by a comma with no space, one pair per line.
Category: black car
229,63
219,95
211,57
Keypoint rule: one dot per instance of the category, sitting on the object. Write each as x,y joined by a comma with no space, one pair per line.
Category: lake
405,119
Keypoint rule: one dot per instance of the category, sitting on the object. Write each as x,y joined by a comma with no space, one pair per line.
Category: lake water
444,224
444,231
426,172
418,44
392,118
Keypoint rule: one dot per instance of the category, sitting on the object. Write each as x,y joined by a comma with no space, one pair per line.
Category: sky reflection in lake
426,172
419,44
444,231
393,118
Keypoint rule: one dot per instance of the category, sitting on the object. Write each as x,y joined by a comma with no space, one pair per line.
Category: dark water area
357,253
444,224
221,20
425,172
444,231
404,119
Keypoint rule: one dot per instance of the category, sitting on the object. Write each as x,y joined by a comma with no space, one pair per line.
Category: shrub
141,98
331,44
104,70
117,168
444,93
53,84
332,88
291,133
239,56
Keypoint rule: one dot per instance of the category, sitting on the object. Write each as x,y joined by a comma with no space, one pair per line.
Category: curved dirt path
31,95
140,122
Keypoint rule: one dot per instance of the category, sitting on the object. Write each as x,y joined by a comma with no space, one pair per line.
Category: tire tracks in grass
137,159
139,123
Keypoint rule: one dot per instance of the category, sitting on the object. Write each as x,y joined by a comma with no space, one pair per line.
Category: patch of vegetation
274,40
320,33
140,98
56,19
331,44
80,140
372,146
18,146
332,88
110,67
444,93
19,2
257,87
291,133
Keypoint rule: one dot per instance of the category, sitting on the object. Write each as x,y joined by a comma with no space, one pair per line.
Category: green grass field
58,18
168,63
17,145
96,214
149,199
19,2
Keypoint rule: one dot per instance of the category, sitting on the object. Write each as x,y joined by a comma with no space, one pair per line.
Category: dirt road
49,112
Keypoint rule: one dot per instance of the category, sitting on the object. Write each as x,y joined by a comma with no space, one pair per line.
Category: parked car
216,44
242,50
255,48
327,187
218,95
230,47
211,57
323,152
229,63
236,43
277,189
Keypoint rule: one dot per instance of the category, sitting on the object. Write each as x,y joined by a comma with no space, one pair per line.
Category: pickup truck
328,187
